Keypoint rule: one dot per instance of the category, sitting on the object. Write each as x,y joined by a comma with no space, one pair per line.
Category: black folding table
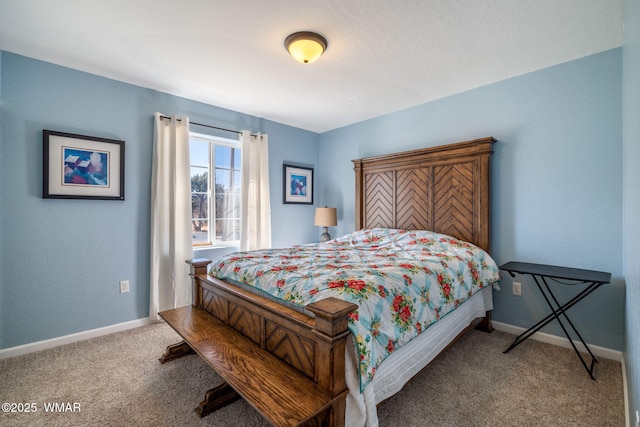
540,274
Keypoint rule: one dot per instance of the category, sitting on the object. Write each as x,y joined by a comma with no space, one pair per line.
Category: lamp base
325,237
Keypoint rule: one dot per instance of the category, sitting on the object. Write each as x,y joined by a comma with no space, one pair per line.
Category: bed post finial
197,267
331,330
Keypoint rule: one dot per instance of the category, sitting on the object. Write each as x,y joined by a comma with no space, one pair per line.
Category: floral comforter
402,282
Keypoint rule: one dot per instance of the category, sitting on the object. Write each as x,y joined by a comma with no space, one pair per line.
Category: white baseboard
68,339
605,353
627,412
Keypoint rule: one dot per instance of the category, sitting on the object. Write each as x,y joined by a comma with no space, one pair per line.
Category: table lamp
326,217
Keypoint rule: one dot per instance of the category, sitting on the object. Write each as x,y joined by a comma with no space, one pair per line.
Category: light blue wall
631,195
556,177
2,155
62,259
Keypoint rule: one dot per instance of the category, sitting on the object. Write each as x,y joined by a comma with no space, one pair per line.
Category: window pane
199,152
223,180
199,179
222,205
237,188
199,206
226,230
223,156
237,159
200,232
236,229
236,206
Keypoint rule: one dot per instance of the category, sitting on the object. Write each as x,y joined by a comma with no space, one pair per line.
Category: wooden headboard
444,189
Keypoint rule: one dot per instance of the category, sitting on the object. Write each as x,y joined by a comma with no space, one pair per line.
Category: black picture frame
297,185
81,167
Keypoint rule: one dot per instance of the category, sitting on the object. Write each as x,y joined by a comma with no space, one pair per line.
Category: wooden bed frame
265,351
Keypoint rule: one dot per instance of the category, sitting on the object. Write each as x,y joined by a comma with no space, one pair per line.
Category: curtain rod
210,127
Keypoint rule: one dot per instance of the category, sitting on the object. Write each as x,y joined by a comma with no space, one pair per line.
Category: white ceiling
383,55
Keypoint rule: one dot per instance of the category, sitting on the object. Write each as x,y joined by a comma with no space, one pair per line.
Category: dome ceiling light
305,46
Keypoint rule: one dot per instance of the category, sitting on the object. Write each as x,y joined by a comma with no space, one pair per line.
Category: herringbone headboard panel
444,189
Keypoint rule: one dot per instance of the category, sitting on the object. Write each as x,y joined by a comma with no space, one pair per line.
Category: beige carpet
117,380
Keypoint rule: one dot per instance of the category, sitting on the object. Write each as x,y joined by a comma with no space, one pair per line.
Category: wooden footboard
314,346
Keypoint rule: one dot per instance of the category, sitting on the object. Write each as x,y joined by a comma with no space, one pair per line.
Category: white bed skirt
404,363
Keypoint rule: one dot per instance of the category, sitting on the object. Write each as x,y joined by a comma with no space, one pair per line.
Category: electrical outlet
517,289
124,286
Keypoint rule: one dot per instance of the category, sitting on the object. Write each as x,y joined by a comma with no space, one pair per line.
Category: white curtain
255,223
171,243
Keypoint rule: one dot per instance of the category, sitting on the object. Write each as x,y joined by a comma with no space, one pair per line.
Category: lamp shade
305,46
326,217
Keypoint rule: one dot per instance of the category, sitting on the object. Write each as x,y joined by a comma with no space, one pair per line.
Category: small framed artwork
81,167
297,185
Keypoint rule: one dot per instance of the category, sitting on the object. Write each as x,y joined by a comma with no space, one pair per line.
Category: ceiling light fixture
305,46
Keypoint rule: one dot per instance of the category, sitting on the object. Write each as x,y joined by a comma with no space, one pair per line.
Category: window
215,203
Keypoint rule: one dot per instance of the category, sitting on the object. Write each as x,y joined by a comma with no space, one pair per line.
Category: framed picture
297,185
81,167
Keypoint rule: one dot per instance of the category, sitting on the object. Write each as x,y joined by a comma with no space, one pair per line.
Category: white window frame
215,141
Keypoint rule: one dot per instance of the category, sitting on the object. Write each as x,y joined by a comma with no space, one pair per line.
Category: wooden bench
279,392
